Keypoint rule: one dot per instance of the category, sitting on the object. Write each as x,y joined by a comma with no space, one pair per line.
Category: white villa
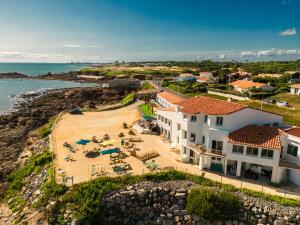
230,138
295,89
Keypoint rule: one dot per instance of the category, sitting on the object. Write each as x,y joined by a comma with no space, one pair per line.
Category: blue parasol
83,142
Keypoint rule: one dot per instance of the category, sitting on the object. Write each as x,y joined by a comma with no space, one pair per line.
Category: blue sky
136,30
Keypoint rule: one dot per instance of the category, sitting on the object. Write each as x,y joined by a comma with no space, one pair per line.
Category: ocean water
11,89
40,68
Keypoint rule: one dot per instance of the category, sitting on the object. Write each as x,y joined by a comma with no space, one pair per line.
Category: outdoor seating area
107,145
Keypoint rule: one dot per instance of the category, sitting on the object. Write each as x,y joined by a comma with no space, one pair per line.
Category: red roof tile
295,85
257,136
172,98
210,106
295,131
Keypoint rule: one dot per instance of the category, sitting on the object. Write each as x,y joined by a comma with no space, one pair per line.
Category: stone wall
164,203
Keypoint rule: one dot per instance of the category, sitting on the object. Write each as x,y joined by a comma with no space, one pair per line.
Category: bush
125,126
212,204
128,99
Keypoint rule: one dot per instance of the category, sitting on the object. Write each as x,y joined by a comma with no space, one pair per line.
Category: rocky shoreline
12,75
16,126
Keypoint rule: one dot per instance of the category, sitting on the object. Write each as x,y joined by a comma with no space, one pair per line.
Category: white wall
295,91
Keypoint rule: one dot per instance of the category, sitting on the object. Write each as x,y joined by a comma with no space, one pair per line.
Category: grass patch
147,86
146,110
46,129
290,116
128,99
213,204
85,199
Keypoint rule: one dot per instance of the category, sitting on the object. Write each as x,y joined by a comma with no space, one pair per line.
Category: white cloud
266,53
222,56
288,32
82,46
247,54
7,46
72,46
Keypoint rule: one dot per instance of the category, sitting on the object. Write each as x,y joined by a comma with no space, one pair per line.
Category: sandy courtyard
72,128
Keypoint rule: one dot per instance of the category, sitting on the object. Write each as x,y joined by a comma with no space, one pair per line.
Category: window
239,149
252,151
193,118
219,121
205,118
193,137
184,150
292,150
203,139
184,116
184,134
191,153
178,126
276,124
267,153
217,145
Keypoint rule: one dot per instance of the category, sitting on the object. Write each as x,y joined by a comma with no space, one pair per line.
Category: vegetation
186,87
17,178
147,86
213,204
85,199
290,116
128,99
50,190
146,109
46,129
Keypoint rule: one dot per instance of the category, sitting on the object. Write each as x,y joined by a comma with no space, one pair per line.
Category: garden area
147,110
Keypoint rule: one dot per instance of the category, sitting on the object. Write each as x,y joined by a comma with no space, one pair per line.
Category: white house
244,86
168,100
295,89
230,138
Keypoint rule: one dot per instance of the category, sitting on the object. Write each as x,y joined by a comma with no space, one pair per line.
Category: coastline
16,126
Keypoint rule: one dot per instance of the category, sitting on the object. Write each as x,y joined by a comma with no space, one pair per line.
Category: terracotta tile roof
172,98
246,84
205,79
210,106
257,136
295,85
295,131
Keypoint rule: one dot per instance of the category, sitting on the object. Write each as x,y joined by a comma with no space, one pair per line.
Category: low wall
228,95
164,203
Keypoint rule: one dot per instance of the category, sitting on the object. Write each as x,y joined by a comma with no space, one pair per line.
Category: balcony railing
200,149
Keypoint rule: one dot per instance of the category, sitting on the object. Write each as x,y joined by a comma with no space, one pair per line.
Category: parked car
283,104
76,111
270,101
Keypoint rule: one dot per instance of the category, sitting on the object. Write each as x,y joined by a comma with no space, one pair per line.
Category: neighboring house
208,75
295,89
130,84
238,76
204,80
186,77
231,138
168,100
295,76
244,86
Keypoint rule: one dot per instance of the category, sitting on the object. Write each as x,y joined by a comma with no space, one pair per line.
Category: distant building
130,84
295,76
208,75
204,80
244,86
295,89
269,75
186,77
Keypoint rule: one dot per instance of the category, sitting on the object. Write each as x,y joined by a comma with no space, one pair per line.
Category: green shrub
46,129
128,99
213,204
